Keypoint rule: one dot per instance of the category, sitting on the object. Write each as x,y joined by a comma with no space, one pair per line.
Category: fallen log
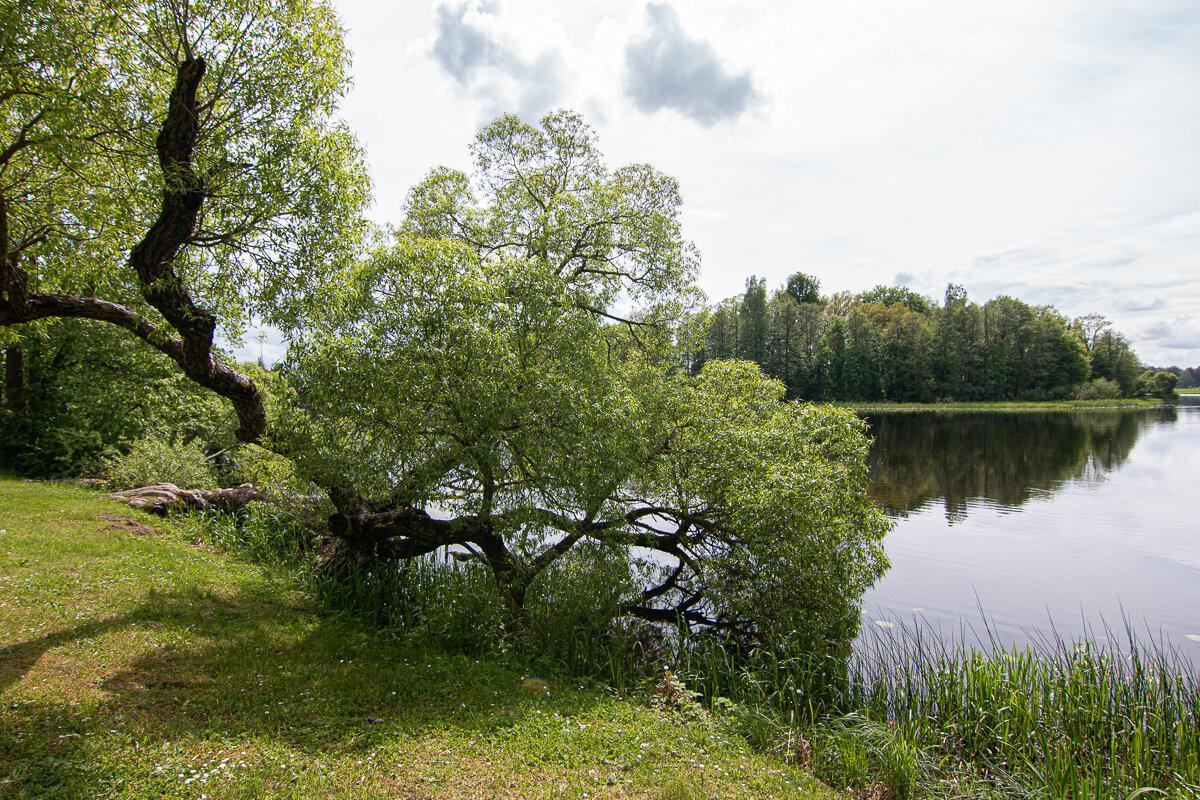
165,498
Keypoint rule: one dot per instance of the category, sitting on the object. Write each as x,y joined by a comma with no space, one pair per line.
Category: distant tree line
890,343
1189,378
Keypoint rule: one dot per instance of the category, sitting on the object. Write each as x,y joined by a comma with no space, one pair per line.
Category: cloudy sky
1044,149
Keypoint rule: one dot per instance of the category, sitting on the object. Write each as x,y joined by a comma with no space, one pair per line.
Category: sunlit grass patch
136,666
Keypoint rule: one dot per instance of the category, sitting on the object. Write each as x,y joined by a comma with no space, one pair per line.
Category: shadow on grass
214,667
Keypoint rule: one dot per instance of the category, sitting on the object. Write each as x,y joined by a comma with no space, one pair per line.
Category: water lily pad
1194,637
535,685
883,623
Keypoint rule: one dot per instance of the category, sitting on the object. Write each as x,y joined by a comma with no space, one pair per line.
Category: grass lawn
134,664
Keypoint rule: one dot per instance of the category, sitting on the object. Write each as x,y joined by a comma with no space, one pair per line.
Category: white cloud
1044,149
1143,304
477,57
669,69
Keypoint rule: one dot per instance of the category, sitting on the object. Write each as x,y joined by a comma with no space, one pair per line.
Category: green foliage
282,179
804,288
1158,384
793,479
889,296
1098,389
581,593
721,340
157,461
753,313
477,365
268,471
890,344
91,389
507,357
1112,358
546,197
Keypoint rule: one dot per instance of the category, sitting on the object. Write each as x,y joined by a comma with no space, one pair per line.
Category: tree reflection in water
1007,458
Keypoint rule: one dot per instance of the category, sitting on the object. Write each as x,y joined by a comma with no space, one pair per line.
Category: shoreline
1011,405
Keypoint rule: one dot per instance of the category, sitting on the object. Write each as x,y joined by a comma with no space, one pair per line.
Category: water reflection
1004,459
1042,524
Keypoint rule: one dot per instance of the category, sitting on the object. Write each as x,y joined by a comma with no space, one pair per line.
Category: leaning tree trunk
361,536
164,498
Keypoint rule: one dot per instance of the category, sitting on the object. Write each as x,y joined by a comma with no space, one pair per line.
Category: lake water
1031,520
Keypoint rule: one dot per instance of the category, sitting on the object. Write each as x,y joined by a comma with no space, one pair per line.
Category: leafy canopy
85,90
502,363
499,373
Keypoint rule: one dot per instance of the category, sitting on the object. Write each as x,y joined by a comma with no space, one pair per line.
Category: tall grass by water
909,715
1108,716
913,715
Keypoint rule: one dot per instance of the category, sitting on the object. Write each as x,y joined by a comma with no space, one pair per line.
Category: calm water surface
1063,519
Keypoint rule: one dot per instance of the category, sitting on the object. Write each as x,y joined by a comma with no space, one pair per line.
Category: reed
916,715
1106,716
262,534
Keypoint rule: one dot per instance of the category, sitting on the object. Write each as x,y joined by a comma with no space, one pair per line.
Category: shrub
1099,389
155,461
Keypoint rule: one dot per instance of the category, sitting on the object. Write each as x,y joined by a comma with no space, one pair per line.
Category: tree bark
152,260
165,498
364,535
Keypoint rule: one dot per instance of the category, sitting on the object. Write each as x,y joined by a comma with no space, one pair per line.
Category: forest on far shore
892,344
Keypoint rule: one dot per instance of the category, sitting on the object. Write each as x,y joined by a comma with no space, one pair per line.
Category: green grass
138,663
140,659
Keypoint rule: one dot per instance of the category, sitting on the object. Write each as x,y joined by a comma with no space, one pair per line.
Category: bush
155,461
1099,389
1157,384
270,472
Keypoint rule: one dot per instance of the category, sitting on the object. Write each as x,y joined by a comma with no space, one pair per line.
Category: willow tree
499,379
499,375
173,168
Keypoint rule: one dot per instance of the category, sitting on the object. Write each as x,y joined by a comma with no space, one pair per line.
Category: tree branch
153,260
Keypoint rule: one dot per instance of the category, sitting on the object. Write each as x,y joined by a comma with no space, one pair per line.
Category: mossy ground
136,664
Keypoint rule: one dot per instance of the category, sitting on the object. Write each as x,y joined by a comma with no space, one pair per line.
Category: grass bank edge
868,747
139,665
